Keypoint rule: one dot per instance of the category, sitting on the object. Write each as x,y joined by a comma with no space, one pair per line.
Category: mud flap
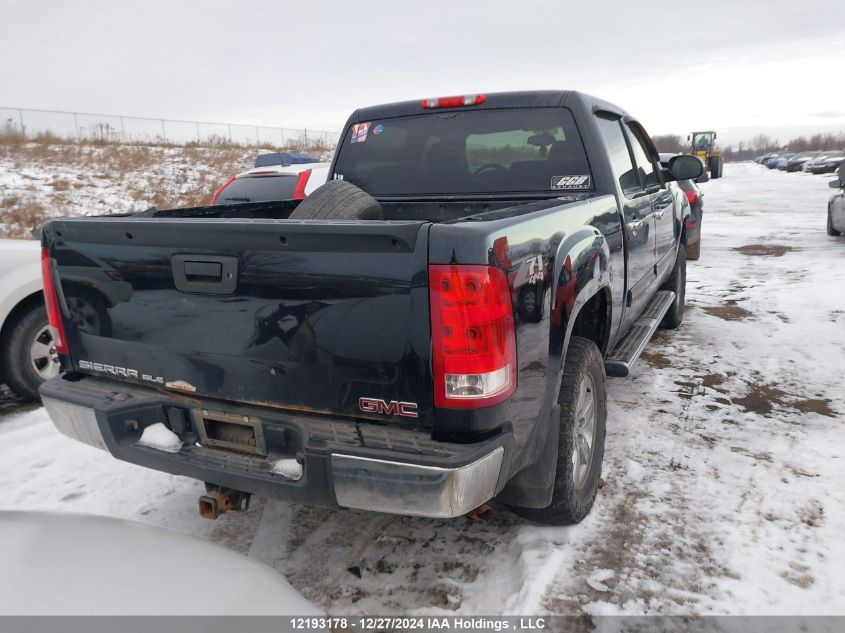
532,487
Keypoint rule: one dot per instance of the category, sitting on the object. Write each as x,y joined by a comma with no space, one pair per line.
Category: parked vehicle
796,163
782,161
696,200
383,365
272,182
28,354
284,159
42,551
836,205
826,163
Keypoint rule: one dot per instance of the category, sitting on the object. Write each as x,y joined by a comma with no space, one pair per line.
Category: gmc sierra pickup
429,330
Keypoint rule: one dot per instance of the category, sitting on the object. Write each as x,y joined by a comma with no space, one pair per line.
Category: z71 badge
571,182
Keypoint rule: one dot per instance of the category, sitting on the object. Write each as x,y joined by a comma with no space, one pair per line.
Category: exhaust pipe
218,500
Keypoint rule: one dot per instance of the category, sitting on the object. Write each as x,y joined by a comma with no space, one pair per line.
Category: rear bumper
346,463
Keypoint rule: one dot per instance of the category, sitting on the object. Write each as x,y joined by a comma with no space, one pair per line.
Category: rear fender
582,269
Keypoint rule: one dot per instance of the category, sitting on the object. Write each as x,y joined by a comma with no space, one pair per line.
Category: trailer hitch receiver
218,500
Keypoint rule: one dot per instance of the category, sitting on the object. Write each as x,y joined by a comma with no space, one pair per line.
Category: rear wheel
29,356
677,283
338,200
583,415
715,167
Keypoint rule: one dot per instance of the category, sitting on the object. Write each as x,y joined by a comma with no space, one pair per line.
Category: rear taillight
219,191
51,301
301,181
691,196
453,102
472,335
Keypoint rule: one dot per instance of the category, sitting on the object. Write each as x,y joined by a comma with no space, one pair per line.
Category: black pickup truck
426,332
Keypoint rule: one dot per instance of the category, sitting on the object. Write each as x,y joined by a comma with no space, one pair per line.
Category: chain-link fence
29,124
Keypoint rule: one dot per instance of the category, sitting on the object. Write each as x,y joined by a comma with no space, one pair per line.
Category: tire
576,484
25,358
677,283
530,306
694,250
715,167
338,200
830,230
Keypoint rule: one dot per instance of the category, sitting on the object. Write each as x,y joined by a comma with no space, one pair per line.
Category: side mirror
836,184
685,167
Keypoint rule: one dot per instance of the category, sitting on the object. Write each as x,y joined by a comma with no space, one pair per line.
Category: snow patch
597,578
634,470
287,467
161,438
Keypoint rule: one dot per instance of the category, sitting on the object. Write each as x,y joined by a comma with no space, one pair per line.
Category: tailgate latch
205,274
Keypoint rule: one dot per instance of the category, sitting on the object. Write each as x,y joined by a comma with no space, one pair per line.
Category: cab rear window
258,189
524,150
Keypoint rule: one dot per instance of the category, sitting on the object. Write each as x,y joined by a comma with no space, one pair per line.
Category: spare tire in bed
338,200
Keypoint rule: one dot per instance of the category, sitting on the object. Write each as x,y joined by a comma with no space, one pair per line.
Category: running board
620,361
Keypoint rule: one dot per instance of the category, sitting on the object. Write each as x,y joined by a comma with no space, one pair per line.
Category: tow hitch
218,500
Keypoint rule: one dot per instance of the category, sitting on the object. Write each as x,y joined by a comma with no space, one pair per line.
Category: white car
273,182
59,564
27,354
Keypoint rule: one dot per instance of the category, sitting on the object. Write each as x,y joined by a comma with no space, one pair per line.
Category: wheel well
24,305
592,321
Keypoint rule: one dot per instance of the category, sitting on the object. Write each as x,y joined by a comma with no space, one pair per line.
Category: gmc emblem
374,405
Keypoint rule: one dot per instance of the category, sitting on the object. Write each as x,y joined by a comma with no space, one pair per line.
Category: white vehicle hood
75,564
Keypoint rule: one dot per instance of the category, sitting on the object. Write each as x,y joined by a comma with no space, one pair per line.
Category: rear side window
617,149
258,189
508,150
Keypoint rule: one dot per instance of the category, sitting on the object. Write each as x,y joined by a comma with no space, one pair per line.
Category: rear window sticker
359,132
571,182
378,129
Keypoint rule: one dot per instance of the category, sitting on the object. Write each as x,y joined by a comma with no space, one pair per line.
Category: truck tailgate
303,315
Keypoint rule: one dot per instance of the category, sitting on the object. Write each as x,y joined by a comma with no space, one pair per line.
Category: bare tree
669,143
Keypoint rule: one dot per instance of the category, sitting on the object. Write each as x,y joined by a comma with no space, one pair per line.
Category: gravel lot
723,468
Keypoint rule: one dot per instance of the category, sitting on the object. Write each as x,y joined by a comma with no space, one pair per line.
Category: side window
648,175
617,149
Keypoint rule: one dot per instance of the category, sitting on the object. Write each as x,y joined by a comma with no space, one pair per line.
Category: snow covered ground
41,181
724,467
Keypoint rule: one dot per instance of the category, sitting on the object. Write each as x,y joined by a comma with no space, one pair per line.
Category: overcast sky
734,66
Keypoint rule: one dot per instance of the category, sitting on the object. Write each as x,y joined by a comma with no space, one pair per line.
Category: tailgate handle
205,274
203,271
